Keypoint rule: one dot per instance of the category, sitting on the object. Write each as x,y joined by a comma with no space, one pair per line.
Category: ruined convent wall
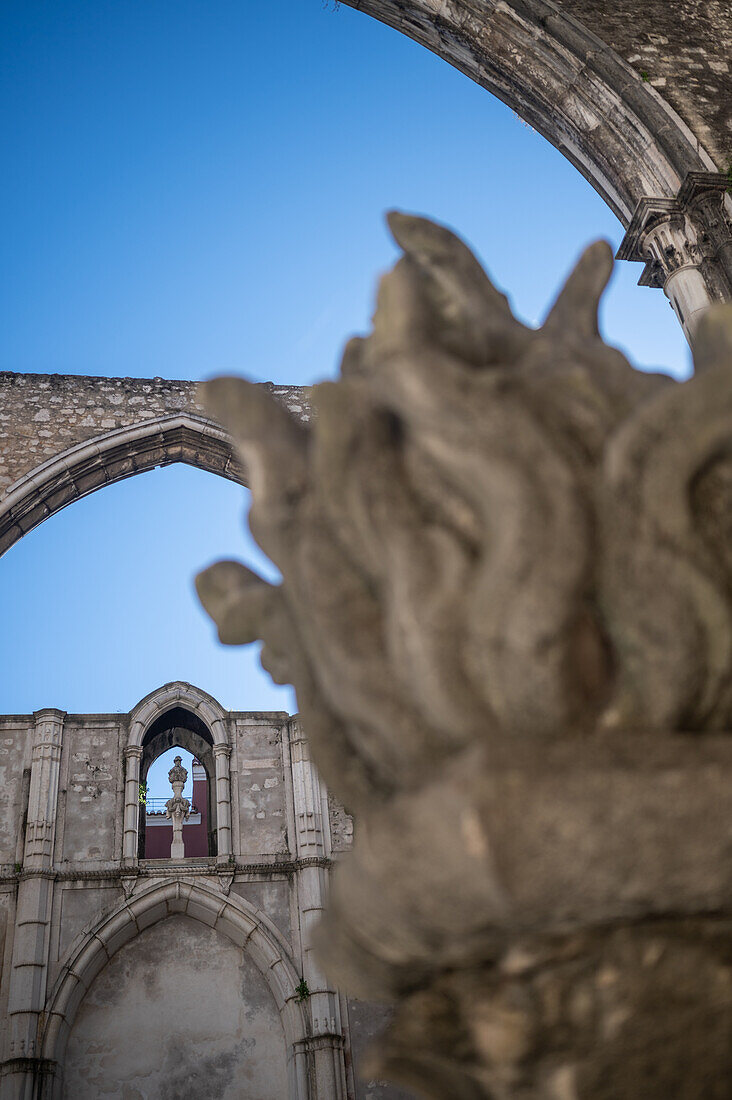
44,415
167,965
63,436
213,990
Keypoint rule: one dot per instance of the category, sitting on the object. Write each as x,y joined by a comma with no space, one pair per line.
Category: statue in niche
506,607
177,808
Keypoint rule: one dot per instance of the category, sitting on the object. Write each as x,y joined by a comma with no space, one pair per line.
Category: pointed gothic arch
111,457
236,918
186,705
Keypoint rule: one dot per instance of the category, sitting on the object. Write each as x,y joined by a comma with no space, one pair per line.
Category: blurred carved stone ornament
505,606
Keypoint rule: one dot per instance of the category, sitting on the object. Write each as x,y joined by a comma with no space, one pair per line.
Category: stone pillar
133,755
686,245
312,845
222,752
24,1069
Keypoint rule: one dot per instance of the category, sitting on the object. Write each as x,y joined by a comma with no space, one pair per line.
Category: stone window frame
205,707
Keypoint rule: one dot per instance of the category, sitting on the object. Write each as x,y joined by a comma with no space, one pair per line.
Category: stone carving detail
686,245
177,808
506,610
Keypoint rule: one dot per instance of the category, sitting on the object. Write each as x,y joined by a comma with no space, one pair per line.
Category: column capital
222,748
49,725
133,752
695,225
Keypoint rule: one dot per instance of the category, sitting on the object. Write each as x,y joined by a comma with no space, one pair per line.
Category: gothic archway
178,706
105,459
248,928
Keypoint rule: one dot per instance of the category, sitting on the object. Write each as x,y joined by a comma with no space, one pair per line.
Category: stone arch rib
67,477
568,84
246,926
177,694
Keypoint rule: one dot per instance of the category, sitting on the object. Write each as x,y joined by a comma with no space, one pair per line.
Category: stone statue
505,606
177,808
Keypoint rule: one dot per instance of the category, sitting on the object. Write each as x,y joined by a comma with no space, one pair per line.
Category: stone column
133,755
222,752
686,246
27,994
326,1042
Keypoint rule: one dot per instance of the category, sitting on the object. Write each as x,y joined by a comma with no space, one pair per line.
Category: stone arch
105,459
177,696
244,925
567,83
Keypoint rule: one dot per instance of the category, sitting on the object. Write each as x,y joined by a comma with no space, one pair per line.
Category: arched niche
179,727
233,917
178,713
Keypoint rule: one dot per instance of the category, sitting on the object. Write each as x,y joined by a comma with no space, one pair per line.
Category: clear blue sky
195,187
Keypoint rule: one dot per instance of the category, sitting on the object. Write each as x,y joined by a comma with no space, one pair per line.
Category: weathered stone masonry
62,436
88,929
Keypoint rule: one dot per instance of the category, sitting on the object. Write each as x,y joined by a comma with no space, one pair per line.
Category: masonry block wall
170,968
63,436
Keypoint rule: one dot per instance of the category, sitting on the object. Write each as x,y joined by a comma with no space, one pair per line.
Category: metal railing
157,806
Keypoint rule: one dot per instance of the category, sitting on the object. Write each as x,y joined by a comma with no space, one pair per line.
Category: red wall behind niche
158,838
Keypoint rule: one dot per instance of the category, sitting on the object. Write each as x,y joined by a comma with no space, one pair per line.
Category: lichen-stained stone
179,1011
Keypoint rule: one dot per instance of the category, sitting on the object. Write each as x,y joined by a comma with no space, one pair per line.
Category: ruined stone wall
43,415
257,771
178,995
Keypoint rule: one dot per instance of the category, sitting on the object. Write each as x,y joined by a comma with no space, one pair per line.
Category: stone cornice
179,870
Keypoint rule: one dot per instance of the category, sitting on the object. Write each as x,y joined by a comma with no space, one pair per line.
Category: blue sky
196,187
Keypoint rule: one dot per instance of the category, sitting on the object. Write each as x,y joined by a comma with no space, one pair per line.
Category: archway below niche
249,929
203,1020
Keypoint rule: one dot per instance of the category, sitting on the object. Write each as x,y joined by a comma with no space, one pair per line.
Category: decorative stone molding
312,848
506,610
34,901
686,245
43,794
222,754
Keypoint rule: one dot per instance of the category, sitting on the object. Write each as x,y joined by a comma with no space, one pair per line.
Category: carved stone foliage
505,607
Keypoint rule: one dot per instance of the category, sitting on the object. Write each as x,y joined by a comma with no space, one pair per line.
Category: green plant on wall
142,795
302,991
